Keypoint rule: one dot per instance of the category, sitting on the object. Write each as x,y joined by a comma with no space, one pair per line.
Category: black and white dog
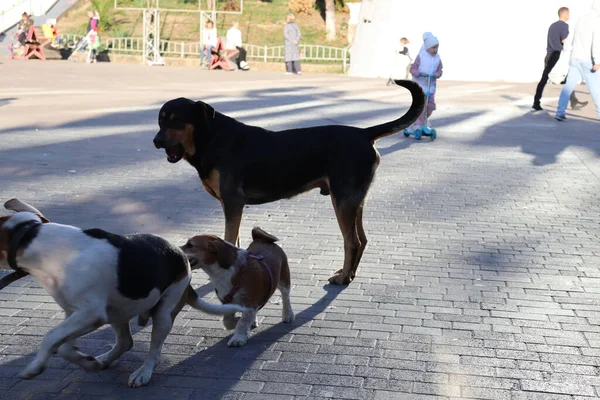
100,278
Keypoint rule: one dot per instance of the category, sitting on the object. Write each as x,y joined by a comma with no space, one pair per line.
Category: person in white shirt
234,41
209,42
585,60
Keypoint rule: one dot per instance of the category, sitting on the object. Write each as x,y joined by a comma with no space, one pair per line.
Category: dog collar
229,297
16,236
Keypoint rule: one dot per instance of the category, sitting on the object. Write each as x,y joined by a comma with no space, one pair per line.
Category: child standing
401,62
427,63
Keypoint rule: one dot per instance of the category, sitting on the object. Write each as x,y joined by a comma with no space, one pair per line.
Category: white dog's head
15,213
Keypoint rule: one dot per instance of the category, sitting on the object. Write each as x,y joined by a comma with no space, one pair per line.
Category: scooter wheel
433,134
406,134
418,135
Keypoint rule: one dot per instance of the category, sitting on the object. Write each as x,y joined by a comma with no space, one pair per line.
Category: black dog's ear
204,112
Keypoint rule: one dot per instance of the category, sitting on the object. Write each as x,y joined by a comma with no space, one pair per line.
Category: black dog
241,164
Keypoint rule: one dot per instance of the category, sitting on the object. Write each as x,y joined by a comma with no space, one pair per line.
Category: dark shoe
537,107
560,117
579,105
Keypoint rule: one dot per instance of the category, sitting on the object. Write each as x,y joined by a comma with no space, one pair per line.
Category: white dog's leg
70,353
77,324
240,336
124,343
287,313
161,326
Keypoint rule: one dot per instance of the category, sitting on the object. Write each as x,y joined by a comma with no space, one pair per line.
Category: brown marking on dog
183,136
212,184
17,205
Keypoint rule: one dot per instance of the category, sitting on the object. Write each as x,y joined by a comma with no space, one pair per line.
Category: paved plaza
481,279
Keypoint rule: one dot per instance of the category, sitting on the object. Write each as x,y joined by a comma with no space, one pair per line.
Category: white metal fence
175,49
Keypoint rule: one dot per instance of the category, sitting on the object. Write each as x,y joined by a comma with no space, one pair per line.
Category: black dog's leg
233,207
362,237
346,212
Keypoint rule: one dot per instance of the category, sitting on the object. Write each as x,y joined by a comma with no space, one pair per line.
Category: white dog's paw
140,377
288,317
237,340
102,359
90,363
32,370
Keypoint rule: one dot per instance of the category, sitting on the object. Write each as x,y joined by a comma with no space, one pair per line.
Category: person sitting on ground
25,23
234,41
209,42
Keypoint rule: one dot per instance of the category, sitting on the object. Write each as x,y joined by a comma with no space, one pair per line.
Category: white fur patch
19,218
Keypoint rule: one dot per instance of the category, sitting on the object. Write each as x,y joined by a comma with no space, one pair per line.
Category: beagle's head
179,120
16,212
210,253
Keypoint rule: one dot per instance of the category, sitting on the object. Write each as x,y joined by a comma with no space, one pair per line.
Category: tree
330,19
301,6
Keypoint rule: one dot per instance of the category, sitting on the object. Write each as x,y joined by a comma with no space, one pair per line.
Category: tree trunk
330,19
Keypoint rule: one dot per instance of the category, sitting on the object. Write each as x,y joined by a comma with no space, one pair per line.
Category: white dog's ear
17,205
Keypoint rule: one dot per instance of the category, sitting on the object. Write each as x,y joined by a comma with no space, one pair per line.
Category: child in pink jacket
427,63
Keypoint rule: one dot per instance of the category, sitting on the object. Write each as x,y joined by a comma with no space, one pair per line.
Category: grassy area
261,22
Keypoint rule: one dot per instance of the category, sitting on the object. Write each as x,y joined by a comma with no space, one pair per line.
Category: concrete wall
480,40
11,10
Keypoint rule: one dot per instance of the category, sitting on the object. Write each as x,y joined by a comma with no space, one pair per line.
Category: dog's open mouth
193,262
175,153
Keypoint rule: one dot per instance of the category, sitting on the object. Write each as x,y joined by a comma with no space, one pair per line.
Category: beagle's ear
17,205
226,254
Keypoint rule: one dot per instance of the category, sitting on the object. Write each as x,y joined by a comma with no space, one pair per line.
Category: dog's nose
159,141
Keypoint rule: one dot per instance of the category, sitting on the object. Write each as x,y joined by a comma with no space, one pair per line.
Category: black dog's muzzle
159,140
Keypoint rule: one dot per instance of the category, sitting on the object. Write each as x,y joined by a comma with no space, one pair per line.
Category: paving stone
480,279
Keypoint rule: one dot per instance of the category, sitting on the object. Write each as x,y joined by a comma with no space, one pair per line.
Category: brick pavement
480,279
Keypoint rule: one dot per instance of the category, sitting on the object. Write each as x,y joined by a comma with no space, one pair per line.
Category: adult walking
292,35
585,60
557,35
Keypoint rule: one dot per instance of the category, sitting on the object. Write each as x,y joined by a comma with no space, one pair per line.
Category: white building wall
480,40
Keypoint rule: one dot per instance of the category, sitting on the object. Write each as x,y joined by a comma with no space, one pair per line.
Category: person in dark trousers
557,34
292,36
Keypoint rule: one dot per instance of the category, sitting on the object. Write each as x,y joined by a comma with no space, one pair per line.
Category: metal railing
176,49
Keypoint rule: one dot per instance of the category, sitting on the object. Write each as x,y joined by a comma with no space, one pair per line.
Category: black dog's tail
389,128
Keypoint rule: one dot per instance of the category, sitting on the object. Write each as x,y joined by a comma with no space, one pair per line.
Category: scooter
425,130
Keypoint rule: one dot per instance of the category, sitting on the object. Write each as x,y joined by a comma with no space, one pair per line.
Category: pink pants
430,108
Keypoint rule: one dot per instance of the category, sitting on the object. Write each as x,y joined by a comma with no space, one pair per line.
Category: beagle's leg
285,286
123,344
240,336
230,321
77,324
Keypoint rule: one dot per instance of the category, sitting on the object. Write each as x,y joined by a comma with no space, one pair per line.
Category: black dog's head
179,119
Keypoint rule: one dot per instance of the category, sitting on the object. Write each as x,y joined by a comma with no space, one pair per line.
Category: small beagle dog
100,278
244,277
